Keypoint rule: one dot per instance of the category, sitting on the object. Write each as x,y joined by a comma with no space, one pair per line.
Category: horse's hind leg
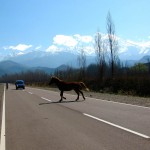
82,94
77,94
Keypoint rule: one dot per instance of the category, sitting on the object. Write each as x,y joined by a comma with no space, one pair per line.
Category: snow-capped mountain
131,50
44,59
133,53
53,60
66,51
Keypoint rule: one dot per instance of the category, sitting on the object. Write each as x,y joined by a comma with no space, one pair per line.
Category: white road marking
119,103
30,92
117,126
46,99
2,142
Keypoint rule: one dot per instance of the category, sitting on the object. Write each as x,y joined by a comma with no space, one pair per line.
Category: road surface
36,121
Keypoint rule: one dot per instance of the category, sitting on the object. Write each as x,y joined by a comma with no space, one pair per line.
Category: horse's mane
56,78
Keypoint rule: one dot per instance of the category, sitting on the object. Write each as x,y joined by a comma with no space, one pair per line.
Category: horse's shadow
58,102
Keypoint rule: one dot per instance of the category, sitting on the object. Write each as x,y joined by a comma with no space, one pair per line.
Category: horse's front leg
61,95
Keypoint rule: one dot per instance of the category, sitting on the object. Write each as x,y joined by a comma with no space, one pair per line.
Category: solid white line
46,99
117,126
119,103
2,143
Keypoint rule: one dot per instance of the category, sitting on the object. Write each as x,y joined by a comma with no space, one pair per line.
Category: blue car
20,84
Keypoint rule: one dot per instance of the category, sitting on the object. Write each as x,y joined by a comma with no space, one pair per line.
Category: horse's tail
84,86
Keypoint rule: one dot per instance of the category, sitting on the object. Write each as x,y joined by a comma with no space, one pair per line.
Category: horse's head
53,80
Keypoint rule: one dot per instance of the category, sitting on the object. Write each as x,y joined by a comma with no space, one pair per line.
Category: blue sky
46,24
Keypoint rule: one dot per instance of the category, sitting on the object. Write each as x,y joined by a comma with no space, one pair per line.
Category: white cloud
64,40
20,47
38,47
71,43
85,39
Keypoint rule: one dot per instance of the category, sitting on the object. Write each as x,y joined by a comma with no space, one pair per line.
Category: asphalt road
36,121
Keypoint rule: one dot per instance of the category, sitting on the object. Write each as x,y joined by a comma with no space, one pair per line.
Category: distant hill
44,69
11,67
145,59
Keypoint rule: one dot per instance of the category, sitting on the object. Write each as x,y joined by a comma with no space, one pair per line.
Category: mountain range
44,59
39,60
49,62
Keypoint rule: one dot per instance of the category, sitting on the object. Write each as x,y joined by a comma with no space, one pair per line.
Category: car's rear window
19,82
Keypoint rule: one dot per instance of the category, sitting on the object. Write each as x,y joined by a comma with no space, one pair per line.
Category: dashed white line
42,97
117,126
46,99
2,142
30,92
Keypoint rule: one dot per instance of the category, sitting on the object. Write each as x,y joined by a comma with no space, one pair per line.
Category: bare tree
112,43
100,50
148,63
82,63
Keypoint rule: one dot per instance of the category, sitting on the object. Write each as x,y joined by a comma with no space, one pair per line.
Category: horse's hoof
60,100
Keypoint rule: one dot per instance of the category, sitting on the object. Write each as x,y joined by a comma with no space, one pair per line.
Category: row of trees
37,77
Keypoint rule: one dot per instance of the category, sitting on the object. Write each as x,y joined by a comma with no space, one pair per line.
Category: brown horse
68,86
